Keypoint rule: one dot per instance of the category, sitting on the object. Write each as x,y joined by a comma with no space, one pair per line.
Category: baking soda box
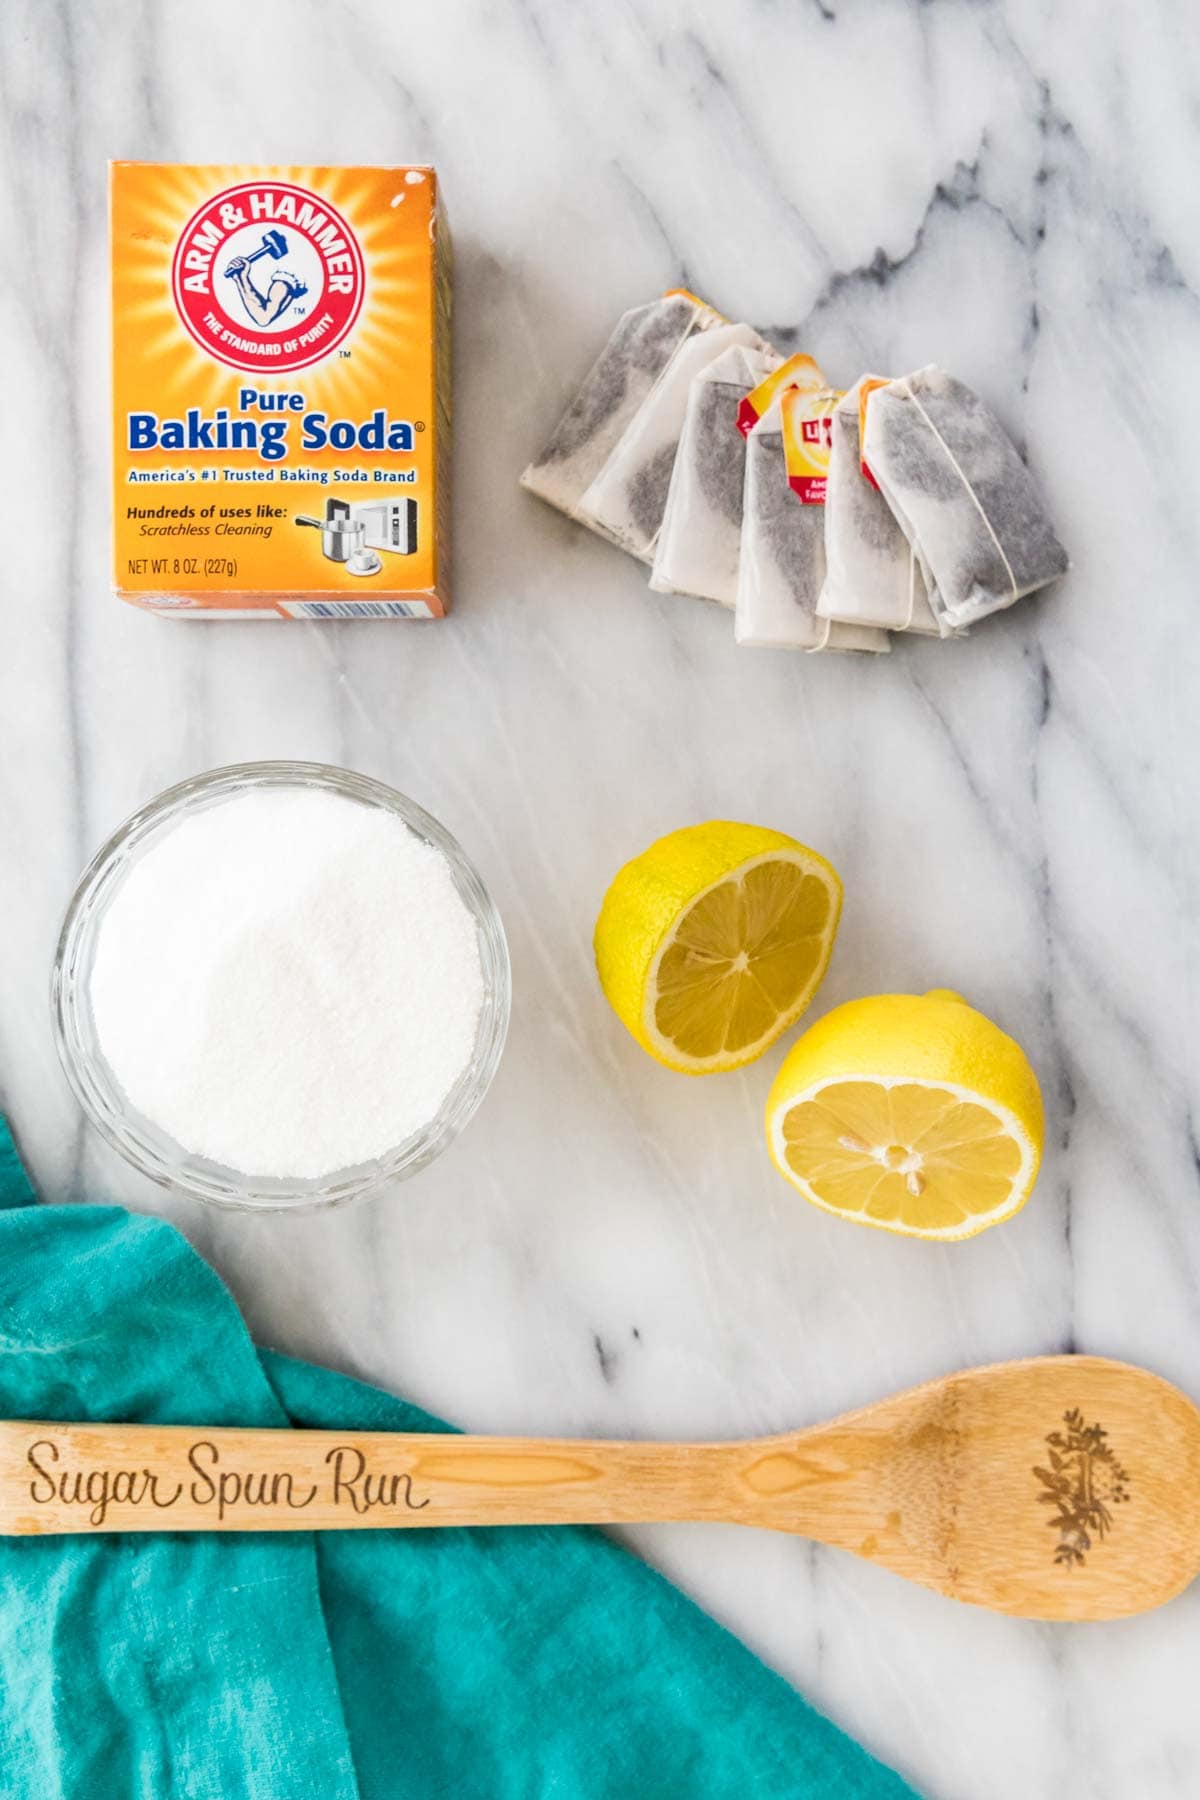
281,391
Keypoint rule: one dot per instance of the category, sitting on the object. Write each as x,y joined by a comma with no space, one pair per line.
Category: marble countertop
1006,188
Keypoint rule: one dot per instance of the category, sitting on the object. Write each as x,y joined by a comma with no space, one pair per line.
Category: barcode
357,609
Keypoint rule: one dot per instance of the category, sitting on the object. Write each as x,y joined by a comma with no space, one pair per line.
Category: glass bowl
139,1139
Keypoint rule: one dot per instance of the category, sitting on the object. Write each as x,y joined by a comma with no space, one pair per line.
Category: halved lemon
911,1112
714,940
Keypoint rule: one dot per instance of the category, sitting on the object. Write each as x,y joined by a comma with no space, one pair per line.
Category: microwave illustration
390,522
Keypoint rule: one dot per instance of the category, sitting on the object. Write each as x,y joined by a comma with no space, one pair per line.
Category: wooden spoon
1064,1487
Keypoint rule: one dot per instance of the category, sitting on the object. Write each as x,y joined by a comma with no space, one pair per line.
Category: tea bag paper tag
807,420
798,371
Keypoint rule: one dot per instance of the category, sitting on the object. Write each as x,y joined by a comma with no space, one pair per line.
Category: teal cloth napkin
383,1665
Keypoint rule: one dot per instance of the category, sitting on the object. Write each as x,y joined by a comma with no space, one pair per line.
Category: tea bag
782,566
628,498
872,576
699,543
963,498
627,368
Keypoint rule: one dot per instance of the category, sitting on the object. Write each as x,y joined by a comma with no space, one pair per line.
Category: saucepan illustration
341,535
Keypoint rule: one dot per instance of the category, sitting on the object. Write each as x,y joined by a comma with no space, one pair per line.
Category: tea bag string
815,649
912,590
952,460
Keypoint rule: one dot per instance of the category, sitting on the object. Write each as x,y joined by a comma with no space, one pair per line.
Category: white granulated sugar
288,982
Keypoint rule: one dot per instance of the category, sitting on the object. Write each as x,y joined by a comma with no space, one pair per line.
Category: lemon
911,1112
714,940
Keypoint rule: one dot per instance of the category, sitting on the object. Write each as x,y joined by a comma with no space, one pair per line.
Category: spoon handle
108,1477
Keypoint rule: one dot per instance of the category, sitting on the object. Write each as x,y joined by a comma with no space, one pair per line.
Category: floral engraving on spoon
1083,1483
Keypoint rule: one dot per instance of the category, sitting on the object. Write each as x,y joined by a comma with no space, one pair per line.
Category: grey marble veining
1008,189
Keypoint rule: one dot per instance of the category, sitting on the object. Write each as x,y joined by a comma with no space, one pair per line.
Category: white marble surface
1008,188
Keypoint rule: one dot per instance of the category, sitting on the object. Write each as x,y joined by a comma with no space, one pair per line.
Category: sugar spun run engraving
206,1476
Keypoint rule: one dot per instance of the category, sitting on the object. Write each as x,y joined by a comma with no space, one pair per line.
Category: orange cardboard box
281,391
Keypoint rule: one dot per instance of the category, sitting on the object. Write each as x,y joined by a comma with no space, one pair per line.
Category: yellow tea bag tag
714,317
798,372
807,418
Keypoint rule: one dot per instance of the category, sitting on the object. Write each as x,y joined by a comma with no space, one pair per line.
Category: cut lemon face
713,942
912,1113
